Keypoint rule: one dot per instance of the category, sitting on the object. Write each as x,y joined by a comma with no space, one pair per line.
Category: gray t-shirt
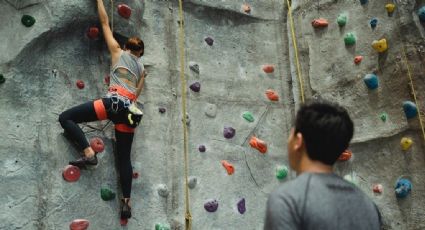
320,201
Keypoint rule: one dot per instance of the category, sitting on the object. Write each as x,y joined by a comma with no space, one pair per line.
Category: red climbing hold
79,224
135,175
268,68
80,84
97,144
124,10
229,167
345,156
272,95
71,173
246,8
123,222
377,188
258,144
319,23
93,32
358,59
107,79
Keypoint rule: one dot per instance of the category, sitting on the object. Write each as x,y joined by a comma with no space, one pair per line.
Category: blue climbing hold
421,14
410,109
363,2
371,81
403,188
373,23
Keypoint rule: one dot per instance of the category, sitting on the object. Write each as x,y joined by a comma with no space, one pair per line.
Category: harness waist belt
123,92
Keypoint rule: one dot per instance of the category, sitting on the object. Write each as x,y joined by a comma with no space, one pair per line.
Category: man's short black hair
326,128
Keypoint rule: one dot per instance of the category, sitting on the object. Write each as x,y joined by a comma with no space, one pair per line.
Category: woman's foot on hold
84,161
125,208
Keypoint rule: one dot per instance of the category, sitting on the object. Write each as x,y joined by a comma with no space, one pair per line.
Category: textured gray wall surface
42,63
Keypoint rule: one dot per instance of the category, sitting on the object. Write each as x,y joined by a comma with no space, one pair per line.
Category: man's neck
312,166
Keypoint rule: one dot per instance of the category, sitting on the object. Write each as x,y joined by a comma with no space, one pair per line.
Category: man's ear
298,142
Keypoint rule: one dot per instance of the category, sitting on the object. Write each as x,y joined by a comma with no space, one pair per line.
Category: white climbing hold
194,66
163,190
211,110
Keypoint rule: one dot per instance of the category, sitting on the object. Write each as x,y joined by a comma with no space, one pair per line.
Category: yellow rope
294,42
413,89
188,216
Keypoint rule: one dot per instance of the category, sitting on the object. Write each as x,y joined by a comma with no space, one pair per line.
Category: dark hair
326,128
135,44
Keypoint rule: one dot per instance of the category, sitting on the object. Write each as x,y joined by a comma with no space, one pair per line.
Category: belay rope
188,216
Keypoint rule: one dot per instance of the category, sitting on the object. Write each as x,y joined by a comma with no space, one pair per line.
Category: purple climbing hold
209,41
229,132
211,205
195,87
162,110
202,148
241,206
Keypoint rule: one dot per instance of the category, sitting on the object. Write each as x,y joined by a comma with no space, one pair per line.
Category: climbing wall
242,94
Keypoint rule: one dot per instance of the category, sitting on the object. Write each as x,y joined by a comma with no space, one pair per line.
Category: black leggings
86,113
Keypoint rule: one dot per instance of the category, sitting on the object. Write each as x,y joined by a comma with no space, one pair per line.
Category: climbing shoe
125,210
84,161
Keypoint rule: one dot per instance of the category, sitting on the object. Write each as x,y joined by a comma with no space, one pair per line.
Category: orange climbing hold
319,23
79,224
246,8
229,167
358,59
268,68
345,156
272,95
93,32
258,144
124,10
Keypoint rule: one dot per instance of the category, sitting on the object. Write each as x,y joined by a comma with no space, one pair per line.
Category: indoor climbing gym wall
230,75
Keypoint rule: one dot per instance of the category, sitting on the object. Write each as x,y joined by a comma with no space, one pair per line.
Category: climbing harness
294,42
188,216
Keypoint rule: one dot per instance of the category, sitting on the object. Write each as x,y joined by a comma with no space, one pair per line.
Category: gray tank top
128,67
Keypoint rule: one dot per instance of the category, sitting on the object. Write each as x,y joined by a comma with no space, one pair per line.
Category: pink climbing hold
246,8
107,79
97,144
71,173
93,32
79,224
80,84
358,59
124,10
123,222
377,188
268,68
272,95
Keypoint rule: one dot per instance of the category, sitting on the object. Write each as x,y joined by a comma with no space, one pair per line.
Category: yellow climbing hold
390,7
405,143
380,45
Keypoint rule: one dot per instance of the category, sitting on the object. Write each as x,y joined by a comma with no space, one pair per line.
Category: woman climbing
126,83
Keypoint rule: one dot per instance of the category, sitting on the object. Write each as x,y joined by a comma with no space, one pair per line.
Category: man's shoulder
292,188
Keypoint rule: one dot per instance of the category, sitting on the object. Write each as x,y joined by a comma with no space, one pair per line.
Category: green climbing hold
383,116
28,20
248,116
106,194
281,172
162,227
341,20
349,39
2,79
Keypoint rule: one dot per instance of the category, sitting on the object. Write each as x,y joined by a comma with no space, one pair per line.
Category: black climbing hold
211,205
162,110
229,132
202,148
2,79
194,67
209,41
195,87
410,109
241,206
28,20
363,2
373,23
